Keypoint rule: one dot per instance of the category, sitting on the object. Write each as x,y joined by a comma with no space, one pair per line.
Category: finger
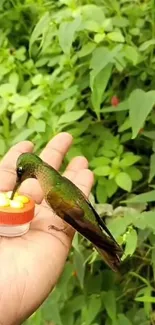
56,149
53,154
84,181
8,164
74,166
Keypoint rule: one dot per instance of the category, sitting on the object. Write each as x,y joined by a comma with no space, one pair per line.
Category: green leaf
98,38
66,34
131,53
2,147
7,89
140,105
40,29
67,93
145,299
76,242
152,167
108,153
118,225
131,243
120,21
123,320
17,114
146,44
14,79
41,62
21,121
102,171
54,60
116,37
147,305
123,106
97,63
35,318
99,85
86,49
65,278
79,264
20,101
70,117
3,105
24,135
134,173
55,315
143,198
149,134
138,276
76,303
129,160
79,129
124,181
67,316
125,126
93,309
145,220
90,25
40,126
111,187
153,262
101,193
99,161
92,12
104,209
34,94
110,304
36,125
126,137
73,152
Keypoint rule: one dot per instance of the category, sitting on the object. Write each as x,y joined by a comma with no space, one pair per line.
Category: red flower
115,101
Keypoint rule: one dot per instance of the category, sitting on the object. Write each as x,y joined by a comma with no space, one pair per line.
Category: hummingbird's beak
18,182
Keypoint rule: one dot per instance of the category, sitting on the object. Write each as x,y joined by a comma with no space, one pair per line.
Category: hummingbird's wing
108,248
74,215
100,222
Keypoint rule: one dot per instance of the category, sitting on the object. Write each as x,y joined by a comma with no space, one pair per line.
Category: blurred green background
88,67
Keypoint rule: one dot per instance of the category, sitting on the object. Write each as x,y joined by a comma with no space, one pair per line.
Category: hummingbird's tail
106,245
112,259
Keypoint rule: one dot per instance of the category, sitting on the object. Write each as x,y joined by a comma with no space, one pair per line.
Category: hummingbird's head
26,167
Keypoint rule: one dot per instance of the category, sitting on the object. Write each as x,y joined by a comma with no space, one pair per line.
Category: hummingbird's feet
56,228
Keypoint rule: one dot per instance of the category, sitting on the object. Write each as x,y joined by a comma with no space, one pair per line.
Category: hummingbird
69,203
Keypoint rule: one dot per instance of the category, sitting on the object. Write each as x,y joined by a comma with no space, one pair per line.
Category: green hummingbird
70,204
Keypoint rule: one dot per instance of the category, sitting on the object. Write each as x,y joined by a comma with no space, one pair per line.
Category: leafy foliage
87,67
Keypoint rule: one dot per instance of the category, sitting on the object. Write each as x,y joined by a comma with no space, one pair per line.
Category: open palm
32,264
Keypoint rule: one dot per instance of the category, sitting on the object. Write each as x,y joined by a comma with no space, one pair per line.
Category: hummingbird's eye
20,171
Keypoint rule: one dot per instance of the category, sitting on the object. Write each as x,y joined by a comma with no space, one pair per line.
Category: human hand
32,264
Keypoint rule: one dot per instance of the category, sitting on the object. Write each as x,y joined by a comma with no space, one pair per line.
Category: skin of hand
32,264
